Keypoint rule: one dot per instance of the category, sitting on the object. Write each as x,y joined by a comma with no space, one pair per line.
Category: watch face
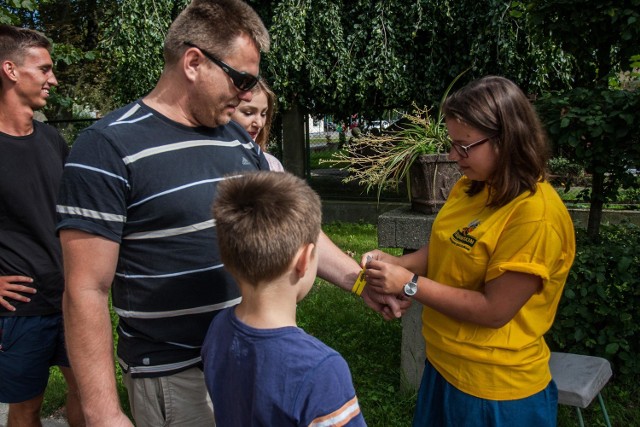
410,289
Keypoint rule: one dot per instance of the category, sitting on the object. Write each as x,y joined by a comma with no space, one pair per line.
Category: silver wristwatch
411,287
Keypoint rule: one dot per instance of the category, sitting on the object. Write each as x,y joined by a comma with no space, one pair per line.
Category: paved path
46,422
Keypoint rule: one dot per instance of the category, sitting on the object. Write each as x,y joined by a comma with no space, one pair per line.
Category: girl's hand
387,278
376,254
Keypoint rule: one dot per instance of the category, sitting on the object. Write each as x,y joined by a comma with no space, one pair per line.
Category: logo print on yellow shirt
462,237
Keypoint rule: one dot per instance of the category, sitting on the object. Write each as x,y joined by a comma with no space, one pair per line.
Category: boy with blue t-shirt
259,367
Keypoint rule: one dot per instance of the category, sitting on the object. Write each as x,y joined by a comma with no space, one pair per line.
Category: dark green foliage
564,173
598,314
134,39
372,56
597,129
600,36
594,127
630,196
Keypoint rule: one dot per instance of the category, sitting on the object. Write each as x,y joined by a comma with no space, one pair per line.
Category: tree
598,125
328,56
10,11
133,41
74,29
599,129
366,56
600,36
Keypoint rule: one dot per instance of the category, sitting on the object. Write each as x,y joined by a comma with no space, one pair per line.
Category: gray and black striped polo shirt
147,183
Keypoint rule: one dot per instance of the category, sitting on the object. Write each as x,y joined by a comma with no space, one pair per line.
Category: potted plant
413,149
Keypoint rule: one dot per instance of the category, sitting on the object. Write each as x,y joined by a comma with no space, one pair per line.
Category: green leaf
612,348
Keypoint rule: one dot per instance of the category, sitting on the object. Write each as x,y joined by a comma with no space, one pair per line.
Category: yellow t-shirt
470,245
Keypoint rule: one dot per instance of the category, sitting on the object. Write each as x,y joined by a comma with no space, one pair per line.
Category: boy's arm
337,267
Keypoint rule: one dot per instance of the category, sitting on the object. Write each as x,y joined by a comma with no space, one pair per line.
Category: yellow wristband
361,282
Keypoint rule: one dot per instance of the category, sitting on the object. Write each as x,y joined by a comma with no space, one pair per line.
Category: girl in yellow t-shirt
498,257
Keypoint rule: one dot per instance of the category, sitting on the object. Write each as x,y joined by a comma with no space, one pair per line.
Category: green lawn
371,347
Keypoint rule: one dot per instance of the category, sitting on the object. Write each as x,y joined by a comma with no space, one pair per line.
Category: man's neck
16,121
169,98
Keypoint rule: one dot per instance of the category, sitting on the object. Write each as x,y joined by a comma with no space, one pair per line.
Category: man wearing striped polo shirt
135,217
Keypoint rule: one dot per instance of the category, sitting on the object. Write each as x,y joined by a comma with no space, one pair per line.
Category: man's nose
53,81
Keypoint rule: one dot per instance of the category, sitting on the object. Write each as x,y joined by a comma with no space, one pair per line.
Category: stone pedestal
409,230
404,228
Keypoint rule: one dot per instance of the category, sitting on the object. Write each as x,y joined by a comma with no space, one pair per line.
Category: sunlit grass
371,347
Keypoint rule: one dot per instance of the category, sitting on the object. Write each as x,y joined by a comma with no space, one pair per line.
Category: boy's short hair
262,220
214,25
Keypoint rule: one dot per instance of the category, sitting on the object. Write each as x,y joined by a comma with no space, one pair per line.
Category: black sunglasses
243,81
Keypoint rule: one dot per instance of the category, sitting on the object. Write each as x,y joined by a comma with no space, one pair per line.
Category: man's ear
303,260
192,61
9,70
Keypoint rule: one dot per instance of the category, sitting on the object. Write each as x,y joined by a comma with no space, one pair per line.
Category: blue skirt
442,405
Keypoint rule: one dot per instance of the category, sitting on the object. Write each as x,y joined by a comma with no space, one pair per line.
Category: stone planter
431,177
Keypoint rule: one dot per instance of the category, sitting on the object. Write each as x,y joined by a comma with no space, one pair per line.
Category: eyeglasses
243,81
463,150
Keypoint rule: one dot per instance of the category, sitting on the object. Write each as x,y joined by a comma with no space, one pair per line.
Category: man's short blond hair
214,25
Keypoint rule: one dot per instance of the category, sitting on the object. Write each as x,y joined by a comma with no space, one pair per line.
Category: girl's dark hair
496,106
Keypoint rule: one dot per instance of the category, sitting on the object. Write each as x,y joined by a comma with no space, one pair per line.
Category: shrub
565,173
630,194
601,299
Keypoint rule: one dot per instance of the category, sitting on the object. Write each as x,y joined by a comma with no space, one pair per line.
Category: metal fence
70,128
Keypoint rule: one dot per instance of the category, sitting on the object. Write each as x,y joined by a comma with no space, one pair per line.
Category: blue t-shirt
275,377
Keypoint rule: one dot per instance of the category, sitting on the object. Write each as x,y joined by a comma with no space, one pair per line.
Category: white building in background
315,125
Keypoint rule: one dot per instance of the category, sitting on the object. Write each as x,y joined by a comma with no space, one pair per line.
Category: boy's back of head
262,219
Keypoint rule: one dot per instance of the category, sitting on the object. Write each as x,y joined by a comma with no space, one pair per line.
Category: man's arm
334,265
337,267
89,265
